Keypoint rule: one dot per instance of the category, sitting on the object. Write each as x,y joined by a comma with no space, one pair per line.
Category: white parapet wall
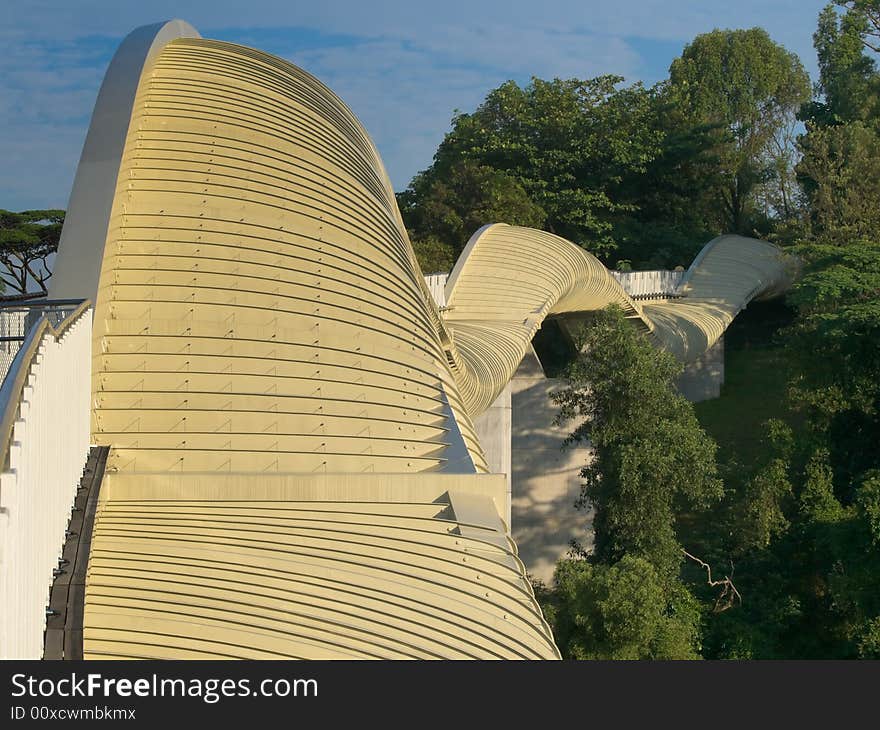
437,286
649,284
46,395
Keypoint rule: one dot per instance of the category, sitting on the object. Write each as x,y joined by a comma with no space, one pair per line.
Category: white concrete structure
45,407
546,478
702,379
493,429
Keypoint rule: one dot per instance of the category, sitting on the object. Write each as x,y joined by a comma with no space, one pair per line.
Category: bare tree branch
729,595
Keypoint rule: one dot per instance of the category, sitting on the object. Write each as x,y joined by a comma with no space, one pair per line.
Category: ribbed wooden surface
330,580
259,305
260,314
506,282
727,274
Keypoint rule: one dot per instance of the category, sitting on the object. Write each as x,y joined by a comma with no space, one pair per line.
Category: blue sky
403,67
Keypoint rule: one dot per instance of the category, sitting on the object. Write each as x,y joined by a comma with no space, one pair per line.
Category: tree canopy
645,175
442,213
27,240
651,457
751,88
558,148
650,454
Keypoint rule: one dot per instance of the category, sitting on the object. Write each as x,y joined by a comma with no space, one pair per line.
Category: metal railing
17,318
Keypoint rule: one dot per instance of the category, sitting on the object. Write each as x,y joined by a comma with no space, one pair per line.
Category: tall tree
650,454
835,339
751,87
840,166
625,599
442,213
804,530
849,85
870,10
567,143
840,175
672,203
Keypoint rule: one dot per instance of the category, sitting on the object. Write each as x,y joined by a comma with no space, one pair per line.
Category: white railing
44,443
19,315
437,286
12,333
649,284
638,284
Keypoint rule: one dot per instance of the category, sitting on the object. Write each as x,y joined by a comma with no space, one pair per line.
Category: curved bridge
293,468
509,279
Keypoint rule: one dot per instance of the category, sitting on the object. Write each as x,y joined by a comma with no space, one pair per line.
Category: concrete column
546,480
702,380
493,429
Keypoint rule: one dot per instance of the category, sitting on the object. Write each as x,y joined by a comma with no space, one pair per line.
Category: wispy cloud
403,66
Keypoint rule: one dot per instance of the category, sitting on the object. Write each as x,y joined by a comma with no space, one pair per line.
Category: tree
626,599
651,457
27,240
840,167
835,340
848,81
805,528
840,174
761,514
622,611
751,87
671,204
449,209
434,256
870,12
566,143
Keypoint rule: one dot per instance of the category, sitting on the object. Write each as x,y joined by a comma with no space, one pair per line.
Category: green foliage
434,256
624,610
750,88
27,239
869,10
625,600
835,341
651,456
839,559
800,517
817,502
444,212
651,173
868,501
767,493
840,172
869,639
802,521
566,143
849,86
671,205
